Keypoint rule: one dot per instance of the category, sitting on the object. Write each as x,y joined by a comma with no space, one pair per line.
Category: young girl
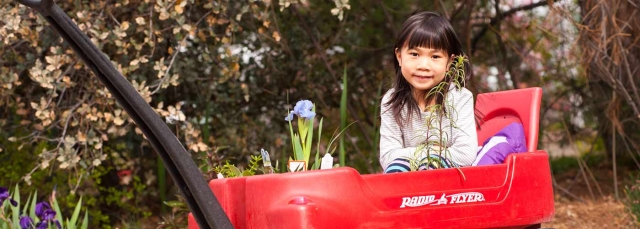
424,50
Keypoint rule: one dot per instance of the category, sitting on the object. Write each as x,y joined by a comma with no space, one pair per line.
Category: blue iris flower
302,109
289,117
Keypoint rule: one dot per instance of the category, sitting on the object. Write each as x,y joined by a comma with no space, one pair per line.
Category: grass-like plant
435,144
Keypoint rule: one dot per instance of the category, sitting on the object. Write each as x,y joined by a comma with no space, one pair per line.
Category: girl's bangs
428,37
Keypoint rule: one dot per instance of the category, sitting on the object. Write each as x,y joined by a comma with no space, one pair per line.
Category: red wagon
515,194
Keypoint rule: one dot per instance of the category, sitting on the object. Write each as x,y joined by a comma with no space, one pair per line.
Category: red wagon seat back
499,109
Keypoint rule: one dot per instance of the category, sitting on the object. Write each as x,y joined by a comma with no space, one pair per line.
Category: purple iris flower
302,109
42,225
45,224
26,222
46,215
41,208
4,195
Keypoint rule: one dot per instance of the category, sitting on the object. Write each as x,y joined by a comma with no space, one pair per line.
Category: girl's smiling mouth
423,77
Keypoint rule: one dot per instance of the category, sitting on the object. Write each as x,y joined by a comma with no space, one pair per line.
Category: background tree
609,41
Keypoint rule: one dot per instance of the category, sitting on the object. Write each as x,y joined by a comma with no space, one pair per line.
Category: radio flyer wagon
515,194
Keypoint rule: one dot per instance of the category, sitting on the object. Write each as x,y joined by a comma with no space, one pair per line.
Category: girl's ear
451,58
398,56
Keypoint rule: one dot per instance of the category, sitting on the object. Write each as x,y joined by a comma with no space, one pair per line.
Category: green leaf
56,207
235,171
76,213
15,211
26,204
309,141
316,164
302,129
297,148
293,139
32,211
85,221
174,204
343,115
336,136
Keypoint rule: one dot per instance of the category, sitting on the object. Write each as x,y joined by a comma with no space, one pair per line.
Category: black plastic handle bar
203,204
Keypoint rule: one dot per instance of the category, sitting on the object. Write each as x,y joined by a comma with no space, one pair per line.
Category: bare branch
498,17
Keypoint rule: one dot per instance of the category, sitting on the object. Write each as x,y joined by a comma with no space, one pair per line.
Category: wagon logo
458,198
467,197
417,201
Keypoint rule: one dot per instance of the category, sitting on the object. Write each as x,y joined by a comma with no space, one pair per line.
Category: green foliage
177,217
11,216
107,199
560,165
229,170
633,196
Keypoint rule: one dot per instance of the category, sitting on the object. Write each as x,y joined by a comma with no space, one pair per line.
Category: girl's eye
413,53
435,57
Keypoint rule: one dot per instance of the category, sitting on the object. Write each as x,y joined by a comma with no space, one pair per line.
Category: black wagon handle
203,204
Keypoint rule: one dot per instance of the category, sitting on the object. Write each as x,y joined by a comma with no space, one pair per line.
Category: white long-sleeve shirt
462,143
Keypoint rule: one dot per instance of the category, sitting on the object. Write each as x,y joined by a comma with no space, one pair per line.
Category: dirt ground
600,213
577,208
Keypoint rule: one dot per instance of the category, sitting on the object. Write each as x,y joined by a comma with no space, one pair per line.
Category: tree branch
502,46
498,17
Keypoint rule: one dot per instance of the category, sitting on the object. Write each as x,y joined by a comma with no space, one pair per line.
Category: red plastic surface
498,109
516,193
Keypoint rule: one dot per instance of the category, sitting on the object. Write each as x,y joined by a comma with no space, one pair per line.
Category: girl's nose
423,64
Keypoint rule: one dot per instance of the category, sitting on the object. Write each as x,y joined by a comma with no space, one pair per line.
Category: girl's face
422,67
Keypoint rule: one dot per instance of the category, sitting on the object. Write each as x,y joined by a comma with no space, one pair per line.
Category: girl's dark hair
424,29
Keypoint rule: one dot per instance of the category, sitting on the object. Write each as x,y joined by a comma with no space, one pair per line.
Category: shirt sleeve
391,136
464,147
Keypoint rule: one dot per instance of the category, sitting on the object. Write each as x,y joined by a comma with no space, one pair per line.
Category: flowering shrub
36,215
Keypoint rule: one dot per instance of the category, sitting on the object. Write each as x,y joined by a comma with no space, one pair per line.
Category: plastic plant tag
327,161
267,169
219,175
296,166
